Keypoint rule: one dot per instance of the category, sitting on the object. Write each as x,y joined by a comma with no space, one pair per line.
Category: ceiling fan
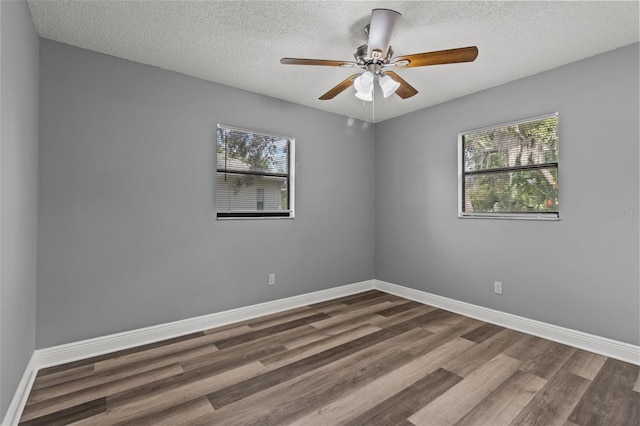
376,57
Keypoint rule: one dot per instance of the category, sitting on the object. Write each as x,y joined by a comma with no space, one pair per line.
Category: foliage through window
510,171
254,175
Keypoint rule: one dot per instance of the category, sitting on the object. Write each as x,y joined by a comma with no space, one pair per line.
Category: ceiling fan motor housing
365,61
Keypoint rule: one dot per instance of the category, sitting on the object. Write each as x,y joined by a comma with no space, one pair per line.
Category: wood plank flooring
366,359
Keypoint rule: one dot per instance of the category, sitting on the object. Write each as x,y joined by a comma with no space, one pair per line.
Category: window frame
290,177
544,216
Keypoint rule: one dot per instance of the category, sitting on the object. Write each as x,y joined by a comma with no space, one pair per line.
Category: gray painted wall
127,230
18,206
580,272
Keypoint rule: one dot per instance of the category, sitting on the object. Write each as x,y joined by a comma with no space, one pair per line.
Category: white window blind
254,176
510,170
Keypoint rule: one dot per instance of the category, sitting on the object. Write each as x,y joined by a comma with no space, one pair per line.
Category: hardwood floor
365,359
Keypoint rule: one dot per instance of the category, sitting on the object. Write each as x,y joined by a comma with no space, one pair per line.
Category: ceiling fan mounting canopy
377,55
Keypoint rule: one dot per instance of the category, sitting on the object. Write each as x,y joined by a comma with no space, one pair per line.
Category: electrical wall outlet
272,279
497,287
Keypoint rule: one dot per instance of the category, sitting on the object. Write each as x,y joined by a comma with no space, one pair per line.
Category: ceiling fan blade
322,62
405,90
451,56
339,88
383,21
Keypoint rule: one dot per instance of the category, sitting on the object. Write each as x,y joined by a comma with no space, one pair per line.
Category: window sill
543,217
254,217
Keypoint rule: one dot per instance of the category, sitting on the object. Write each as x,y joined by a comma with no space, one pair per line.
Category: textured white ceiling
240,43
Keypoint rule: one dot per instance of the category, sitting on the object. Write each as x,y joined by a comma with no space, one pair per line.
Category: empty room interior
319,213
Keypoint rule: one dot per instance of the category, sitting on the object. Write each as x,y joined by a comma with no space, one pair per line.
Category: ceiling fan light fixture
364,83
388,85
367,97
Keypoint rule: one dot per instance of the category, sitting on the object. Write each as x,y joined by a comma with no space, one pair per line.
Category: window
254,175
260,199
510,171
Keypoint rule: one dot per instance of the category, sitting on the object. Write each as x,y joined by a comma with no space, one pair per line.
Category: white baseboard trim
74,351
61,354
589,342
12,417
